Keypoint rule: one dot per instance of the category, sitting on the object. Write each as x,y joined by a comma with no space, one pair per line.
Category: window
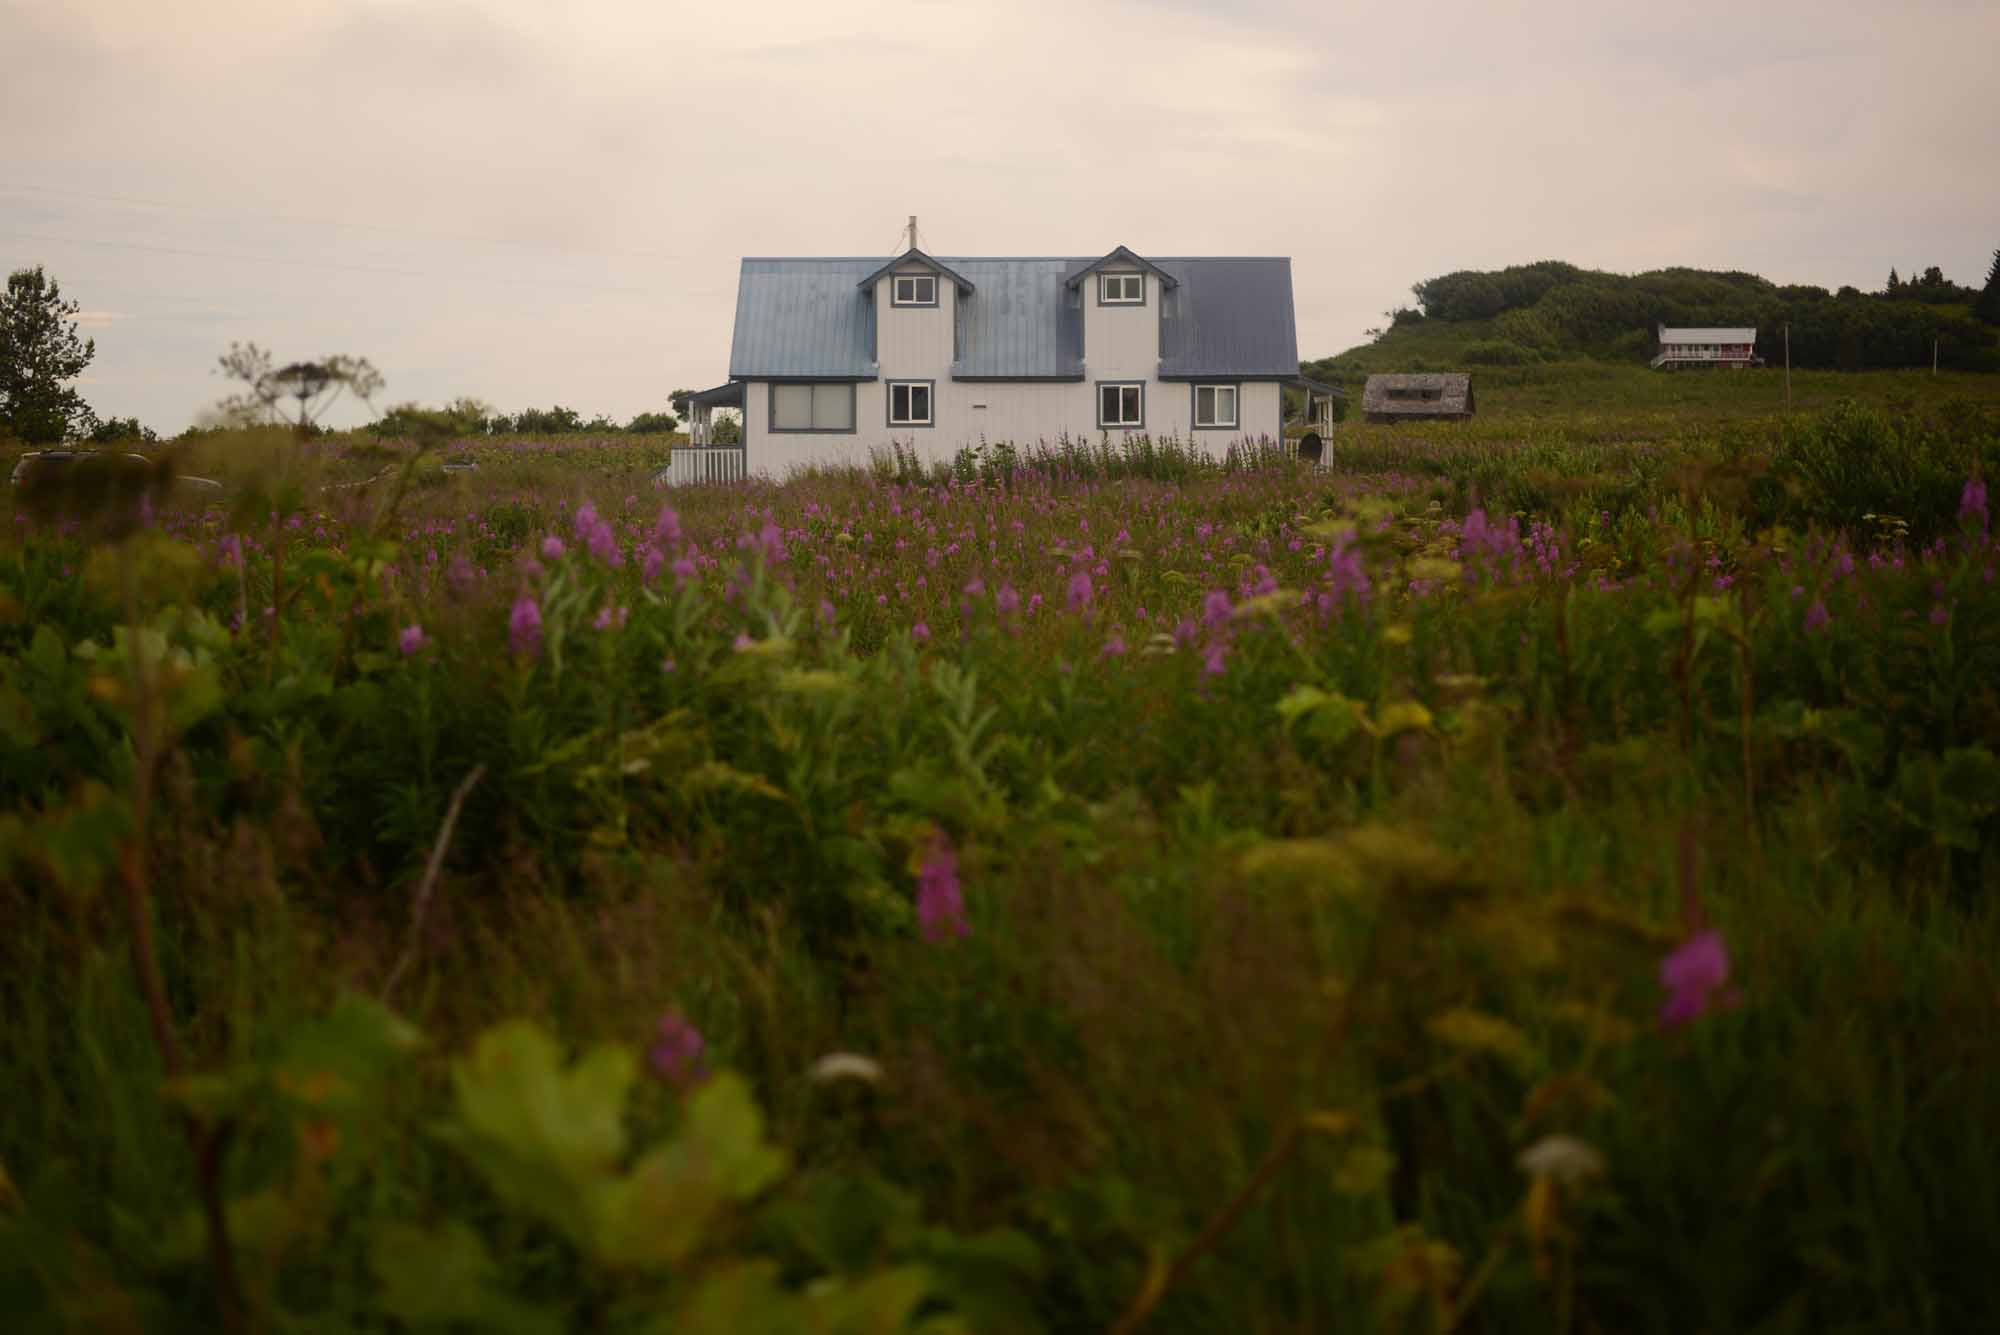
1121,289
914,289
812,407
1215,405
1121,405
910,403
1417,395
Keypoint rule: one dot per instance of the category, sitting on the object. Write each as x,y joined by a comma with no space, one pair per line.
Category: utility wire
203,211
328,264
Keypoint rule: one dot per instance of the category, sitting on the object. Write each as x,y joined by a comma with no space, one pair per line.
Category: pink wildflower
920,632
1079,591
940,901
412,640
680,1055
1972,503
524,626
552,547
1696,976
1817,617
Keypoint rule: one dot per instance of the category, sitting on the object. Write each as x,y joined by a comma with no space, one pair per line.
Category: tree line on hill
477,419
1551,309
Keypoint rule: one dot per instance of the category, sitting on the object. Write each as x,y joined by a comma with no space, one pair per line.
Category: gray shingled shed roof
1453,390
807,318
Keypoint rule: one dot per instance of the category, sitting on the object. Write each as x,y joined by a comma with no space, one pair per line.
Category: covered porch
1316,415
703,458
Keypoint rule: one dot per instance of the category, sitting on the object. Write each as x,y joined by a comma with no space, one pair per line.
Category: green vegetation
1555,312
40,353
1535,875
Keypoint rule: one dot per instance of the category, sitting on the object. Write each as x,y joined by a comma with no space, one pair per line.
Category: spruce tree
39,353
1987,307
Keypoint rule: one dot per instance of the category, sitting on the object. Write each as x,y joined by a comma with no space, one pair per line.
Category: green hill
1556,312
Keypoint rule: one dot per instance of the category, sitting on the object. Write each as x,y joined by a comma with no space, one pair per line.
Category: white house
835,358
1735,347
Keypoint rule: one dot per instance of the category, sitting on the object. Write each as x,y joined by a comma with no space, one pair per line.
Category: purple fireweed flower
1079,591
679,1054
611,618
940,901
667,528
1972,503
1696,977
651,563
1215,661
412,640
1215,608
1114,646
1007,600
524,626
552,548
920,632
1939,614
1817,617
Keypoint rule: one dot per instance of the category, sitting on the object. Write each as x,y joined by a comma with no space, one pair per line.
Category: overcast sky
533,202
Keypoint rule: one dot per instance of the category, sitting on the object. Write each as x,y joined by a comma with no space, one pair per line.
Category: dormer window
914,289
1121,289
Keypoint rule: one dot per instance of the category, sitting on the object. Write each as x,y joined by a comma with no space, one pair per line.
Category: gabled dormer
1122,299
1121,279
915,301
914,279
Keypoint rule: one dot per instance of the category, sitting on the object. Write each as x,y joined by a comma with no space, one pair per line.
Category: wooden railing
690,465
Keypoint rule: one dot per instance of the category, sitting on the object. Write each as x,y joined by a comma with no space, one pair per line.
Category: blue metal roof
808,318
1229,317
1019,323
803,318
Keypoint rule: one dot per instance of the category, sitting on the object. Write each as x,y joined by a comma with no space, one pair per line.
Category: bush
1499,352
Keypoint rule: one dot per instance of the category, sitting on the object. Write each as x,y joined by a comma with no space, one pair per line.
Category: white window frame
917,282
1138,387
1134,283
816,397
909,388
1218,422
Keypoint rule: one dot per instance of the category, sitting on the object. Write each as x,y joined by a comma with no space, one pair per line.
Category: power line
329,264
205,211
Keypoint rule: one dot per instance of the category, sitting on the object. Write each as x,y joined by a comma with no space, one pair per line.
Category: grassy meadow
1530,875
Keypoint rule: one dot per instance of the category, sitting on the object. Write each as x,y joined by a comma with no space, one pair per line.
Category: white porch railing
690,465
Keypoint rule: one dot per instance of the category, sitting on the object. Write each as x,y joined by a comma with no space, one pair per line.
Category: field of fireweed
1484,886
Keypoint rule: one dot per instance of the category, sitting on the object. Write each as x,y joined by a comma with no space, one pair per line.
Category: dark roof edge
1019,379
797,377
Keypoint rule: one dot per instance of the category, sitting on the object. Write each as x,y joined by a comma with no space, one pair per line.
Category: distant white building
1735,348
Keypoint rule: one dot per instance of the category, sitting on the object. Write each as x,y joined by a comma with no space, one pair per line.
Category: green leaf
339,1060
430,1276
658,1214
546,1138
1363,1170
741,1299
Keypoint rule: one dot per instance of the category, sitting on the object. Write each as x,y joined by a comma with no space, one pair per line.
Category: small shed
1433,396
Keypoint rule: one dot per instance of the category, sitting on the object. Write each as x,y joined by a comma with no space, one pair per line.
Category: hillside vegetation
1533,314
